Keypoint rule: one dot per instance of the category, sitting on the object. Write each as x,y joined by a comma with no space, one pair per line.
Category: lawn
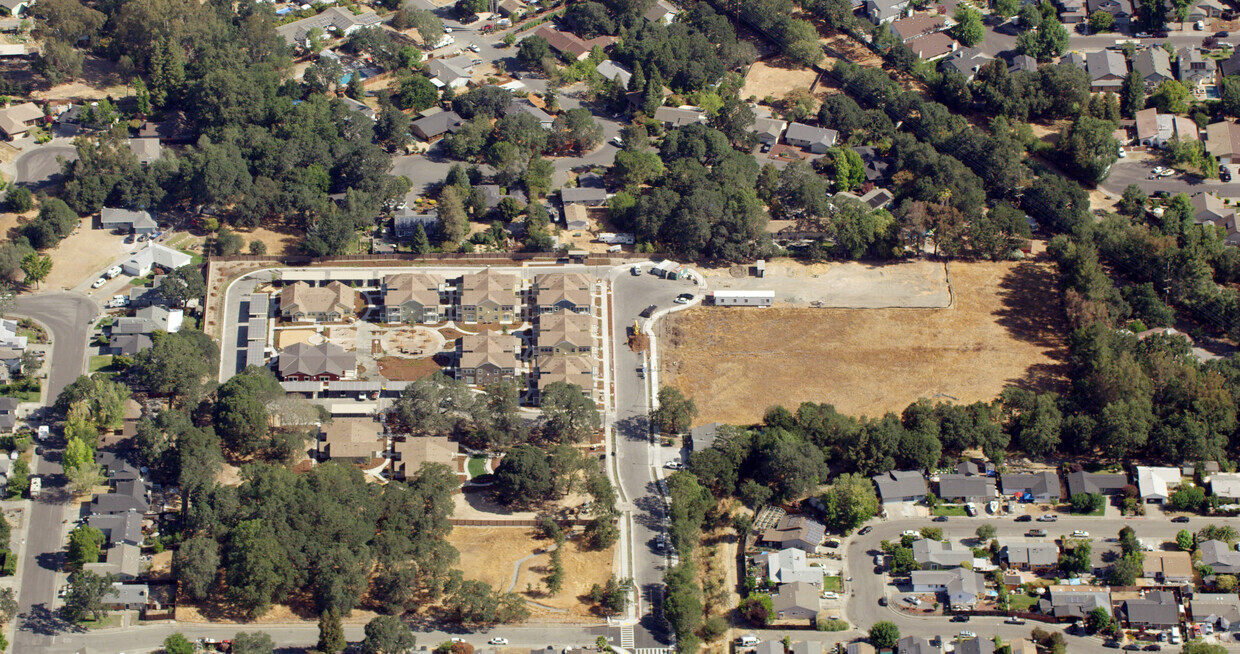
949,509
107,622
477,466
23,390
100,362
832,582
1021,602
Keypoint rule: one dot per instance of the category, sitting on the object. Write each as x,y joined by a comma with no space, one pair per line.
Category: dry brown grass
775,78
402,369
1004,328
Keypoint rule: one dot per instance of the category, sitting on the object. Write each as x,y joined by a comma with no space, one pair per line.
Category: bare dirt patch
279,243
402,369
1005,327
82,255
286,337
776,78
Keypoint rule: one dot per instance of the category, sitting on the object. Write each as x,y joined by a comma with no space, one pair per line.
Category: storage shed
743,298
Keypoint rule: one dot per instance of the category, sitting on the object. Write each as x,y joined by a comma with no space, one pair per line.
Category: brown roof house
412,297
571,44
487,358
1168,567
301,302
801,532
414,451
1223,141
566,368
489,297
563,292
353,440
564,333
323,362
17,119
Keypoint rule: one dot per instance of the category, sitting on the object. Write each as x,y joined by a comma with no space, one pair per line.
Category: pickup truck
36,485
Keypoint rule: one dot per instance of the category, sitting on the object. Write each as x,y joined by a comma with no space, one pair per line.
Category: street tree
884,634
87,591
569,415
36,267
850,501
387,634
258,642
676,412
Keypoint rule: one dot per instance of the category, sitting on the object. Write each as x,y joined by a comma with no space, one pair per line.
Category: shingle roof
1036,554
351,438
565,327
313,360
416,450
489,286
1037,484
797,595
1095,482
493,348
951,486
300,297
406,287
551,289
900,483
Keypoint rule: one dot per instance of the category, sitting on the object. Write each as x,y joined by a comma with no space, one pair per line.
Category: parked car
99,282
116,270
1024,518
967,634
1142,35
617,141
1224,175
882,601
1132,647
648,310
674,465
683,298
475,48
1111,644
940,518
912,600
960,617
1199,26
1015,620
1080,533
1222,35
1048,517
910,532
831,595
865,530
635,271
498,641
1153,647
1180,518
1036,532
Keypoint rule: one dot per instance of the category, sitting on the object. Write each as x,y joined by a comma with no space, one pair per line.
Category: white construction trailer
743,298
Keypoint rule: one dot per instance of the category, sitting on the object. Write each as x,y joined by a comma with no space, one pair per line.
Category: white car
831,595
498,641
475,48
113,272
99,282
910,532
457,640
448,30
1080,533
619,142
674,465
968,634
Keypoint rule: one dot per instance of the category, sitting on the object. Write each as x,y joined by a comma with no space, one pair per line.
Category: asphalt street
40,164
68,317
1128,171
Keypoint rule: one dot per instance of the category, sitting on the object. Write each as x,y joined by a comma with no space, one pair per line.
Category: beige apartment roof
351,438
560,287
564,327
565,368
303,298
416,450
489,286
1170,564
419,287
496,349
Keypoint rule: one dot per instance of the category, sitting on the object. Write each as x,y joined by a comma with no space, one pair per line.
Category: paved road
637,458
40,165
67,316
1135,170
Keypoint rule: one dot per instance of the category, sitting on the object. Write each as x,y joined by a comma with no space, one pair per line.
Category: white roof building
1155,483
154,255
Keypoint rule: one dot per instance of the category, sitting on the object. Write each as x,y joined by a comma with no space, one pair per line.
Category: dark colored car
865,530
960,618
1024,518
1132,647
1182,518
940,518
648,310
1112,644
1224,175
882,601
1162,194
1154,647
1222,35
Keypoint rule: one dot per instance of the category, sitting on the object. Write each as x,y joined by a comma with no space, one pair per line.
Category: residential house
451,72
1221,558
932,47
885,11
1193,67
435,126
1223,141
568,369
512,8
576,217
1226,485
405,223
127,490
564,333
769,647
961,586
588,196
769,129
1159,609
1120,9
1209,209
967,488
799,531
938,555
489,297
323,362
129,344
661,11
118,528
126,221
1155,483
570,44
1154,129
679,116
1154,66
1037,556
877,166
9,335
335,21
788,566
916,645
301,302
806,647
1220,610
1102,483
173,129
796,601
524,106
971,467
1074,59
966,61
860,647
1107,70
1186,129
571,292
615,72
16,7
1206,9
1073,12
1075,601
8,414
1040,487
360,108
817,139
492,196
901,486
352,440
10,362
412,298
1022,646
147,150
17,119
1230,66
703,437
155,256
975,645
1168,567
1023,63
127,597
918,25
487,358
413,452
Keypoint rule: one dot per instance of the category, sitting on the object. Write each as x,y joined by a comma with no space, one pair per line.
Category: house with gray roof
1032,487
1220,557
452,72
335,21
938,555
975,645
788,566
769,129
796,601
961,586
966,61
799,531
916,645
703,437
615,72
1154,66
127,221
436,126
588,195
1107,70
146,149
679,116
1221,610
967,488
405,223
1193,67
1036,556
1120,9
901,486
523,106
322,362
885,11
1075,601
1159,609
816,139
1103,483
8,414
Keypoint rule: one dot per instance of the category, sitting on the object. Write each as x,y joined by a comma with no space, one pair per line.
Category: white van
747,641
36,485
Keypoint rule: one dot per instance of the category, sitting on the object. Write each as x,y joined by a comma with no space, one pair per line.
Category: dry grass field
1003,328
775,77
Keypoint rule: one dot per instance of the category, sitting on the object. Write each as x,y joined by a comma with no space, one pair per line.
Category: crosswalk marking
653,650
626,636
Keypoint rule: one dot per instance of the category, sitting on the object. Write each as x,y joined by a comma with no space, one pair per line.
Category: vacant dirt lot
775,77
1004,328
82,255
